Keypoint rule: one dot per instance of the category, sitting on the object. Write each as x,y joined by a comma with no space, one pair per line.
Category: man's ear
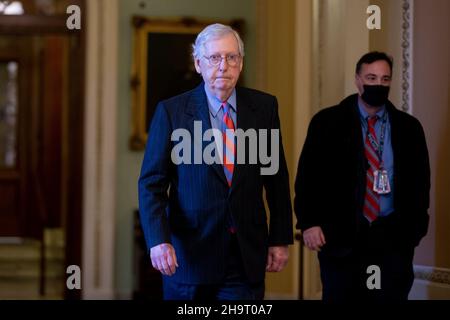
197,66
358,83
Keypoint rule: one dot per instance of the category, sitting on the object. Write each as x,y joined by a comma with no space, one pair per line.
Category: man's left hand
277,258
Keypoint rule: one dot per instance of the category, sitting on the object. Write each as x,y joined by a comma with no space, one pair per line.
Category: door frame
35,25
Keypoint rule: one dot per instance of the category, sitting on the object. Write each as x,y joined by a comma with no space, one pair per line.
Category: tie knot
225,107
372,120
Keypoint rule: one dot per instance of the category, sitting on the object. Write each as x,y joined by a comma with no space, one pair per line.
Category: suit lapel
396,146
198,110
357,150
356,133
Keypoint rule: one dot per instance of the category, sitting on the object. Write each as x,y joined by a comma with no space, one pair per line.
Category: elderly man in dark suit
205,223
362,190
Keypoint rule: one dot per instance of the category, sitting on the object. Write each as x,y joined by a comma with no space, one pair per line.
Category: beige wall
285,42
278,19
431,104
340,38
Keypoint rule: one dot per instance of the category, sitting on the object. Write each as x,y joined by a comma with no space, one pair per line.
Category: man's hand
164,259
314,238
277,258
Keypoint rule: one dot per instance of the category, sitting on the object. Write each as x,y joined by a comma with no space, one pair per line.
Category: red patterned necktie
371,208
229,154
229,148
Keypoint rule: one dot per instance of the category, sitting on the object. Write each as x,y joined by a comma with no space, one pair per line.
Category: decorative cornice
436,275
407,32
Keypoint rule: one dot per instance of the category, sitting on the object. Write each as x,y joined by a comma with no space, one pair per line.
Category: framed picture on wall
162,66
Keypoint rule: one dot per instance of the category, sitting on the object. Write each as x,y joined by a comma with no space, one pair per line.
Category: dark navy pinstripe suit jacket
187,204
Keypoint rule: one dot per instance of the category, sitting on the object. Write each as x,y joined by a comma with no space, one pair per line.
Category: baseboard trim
97,294
124,295
430,283
432,274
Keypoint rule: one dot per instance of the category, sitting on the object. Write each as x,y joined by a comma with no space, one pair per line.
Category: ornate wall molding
407,54
435,275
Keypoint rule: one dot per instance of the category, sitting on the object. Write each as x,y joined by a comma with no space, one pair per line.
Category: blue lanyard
379,147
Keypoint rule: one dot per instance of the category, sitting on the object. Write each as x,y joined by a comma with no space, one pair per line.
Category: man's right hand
164,258
314,238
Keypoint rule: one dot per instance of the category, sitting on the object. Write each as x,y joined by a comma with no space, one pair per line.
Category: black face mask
375,95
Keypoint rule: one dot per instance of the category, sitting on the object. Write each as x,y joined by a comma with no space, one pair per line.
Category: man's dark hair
372,57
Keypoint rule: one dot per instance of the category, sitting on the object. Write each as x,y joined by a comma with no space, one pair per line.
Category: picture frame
162,66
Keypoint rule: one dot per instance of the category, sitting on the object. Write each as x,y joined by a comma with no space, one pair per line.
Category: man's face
220,79
375,73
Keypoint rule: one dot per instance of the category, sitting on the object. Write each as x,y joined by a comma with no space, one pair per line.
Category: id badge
381,182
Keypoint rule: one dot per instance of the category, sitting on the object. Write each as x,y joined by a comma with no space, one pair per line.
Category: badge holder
381,182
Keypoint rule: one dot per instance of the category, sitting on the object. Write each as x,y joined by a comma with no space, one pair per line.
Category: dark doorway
41,127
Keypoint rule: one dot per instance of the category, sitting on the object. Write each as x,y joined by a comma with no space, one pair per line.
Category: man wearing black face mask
362,190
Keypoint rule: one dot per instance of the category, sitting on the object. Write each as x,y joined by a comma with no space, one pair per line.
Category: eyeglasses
231,59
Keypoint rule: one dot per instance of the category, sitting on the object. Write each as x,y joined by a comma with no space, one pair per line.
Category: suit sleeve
154,180
278,193
308,176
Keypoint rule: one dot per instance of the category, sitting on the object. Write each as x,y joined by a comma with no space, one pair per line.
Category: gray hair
213,32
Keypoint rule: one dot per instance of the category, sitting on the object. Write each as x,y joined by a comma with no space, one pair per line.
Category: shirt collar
363,112
214,103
